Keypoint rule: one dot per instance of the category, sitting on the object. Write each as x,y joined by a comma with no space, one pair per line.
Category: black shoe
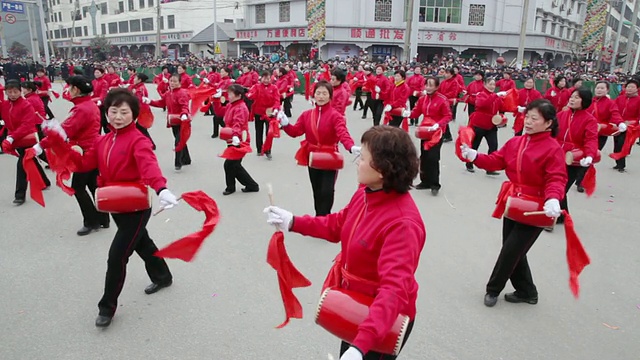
269,157
364,117
228,192
422,186
471,170
104,226
493,173
560,220
248,190
514,298
435,191
18,201
580,189
85,230
616,167
213,136
103,321
490,300
447,140
621,170
154,288
260,154
178,168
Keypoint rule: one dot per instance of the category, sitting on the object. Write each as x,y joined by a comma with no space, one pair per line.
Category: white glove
167,199
206,81
502,93
355,150
233,80
468,153
387,108
281,218
433,127
1,122
56,127
424,92
351,354
98,102
312,102
165,80
146,100
218,94
406,113
552,208
586,162
235,141
9,139
291,89
377,88
38,149
284,121
522,109
553,93
121,79
355,79
184,117
622,127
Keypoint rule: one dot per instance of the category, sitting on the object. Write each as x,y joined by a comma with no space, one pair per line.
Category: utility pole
3,40
73,27
35,48
43,32
93,11
215,29
523,35
158,25
604,37
407,36
616,45
631,37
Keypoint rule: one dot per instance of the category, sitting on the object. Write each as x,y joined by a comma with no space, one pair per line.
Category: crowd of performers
557,138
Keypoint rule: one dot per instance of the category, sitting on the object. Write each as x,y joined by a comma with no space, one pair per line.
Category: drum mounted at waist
27,141
573,157
528,210
123,198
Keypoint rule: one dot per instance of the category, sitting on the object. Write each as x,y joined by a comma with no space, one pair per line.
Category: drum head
496,119
568,158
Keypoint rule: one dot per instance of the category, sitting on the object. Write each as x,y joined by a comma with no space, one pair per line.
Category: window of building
285,11
103,9
382,10
553,28
103,27
113,28
123,27
260,14
134,25
441,11
121,7
147,24
85,9
150,3
60,16
56,34
544,26
141,3
131,7
476,15
86,31
78,15
63,33
161,22
78,32
54,17
171,22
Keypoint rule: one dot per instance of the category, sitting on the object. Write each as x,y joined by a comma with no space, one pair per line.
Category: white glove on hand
502,93
9,139
98,102
424,92
622,127
377,88
1,122
38,149
206,81
184,117
355,150
284,120
352,354
553,93
433,128
167,199
387,108
586,162
552,208
406,113
281,218
146,100
235,141
165,80
218,94
522,109
291,89
468,153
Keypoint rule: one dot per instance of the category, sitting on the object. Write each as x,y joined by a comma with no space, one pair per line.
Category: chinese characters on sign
246,35
286,33
445,37
398,34
557,44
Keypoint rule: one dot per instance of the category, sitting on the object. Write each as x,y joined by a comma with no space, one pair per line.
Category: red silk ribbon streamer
435,139
577,257
199,96
510,102
187,247
518,124
633,132
185,134
288,277
36,183
272,132
55,94
589,181
465,136
307,85
145,119
59,165
236,152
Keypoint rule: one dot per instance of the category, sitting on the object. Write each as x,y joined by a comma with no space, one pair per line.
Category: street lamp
635,59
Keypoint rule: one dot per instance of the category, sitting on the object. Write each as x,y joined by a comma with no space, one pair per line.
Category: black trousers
145,132
471,109
131,236
377,106
412,103
372,355
233,170
182,157
21,176
572,175
209,111
358,99
447,130
367,104
512,263
323,185
286,105
430,165
396,121
261,132
492,140
91,217
46,100
41,135
52,78
218,122
618,143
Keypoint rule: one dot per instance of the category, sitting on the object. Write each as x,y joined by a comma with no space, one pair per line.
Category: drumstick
163,208
270,193
529,213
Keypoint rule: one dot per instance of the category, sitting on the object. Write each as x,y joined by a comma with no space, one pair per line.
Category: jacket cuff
160,190
363,341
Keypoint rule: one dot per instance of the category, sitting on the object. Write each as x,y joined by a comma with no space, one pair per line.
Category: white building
131,25
486,28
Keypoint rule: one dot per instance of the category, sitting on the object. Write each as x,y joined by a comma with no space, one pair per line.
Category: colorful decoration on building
316,17
594,25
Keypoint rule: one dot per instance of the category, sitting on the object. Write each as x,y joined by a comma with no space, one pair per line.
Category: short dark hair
236,89
31,85
586,96
142,77
393,155
265,73
82,83
479,72
436,81
557,80
282,70
606,83
401,73
326,85
183,66
99,69
12,84
42,70
339,74
117,97
449,71
548,112
131,68
633,81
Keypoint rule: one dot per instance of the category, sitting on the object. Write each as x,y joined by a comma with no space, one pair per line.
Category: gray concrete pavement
226,303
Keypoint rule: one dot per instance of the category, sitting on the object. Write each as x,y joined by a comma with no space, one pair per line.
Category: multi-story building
485,28
131,25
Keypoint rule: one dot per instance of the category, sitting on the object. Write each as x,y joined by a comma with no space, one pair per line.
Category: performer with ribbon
100,88
473,89
322,127
341,96
529,201
112,78
20,121
185,80
380,94
436,111
450,88
396,102
367,90
383,215
526,96
629,106
416,84
145,120
176,100
247,80
44,90
558,94
223,83
162,81
265,97
356,83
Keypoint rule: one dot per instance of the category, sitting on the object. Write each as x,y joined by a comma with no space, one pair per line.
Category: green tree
100,47
18,50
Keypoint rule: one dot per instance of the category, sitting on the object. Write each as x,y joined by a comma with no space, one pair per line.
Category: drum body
341,311
226,134
326,160
123,198
517,206
174,120
573,157
26,142
423,134
607,129
499,120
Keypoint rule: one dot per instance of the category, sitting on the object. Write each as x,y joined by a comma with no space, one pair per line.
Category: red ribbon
186,248
55,94
633,132
145,119
59,164
307,85
36,183
185,134
577,257
435,139
288,277
465,136
199,96
236,152
272,132
518,124
589,181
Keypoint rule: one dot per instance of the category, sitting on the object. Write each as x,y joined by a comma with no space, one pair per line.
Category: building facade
484,28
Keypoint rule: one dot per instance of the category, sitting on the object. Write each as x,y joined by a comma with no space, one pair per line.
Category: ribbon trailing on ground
577,257
36,183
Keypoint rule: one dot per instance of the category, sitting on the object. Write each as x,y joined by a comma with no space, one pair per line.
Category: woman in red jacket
487,105
629,106
30,92
558,94
436,115
473,89
125,156
44,90
284,83
322,128
140,91
451,89
398,97
176,100
534,164
577,129
222,85
379,94
265,96
185,79
341,96
526,96
416,84
100,88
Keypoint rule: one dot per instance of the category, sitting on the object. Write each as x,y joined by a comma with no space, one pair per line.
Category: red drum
26,142
174,120
123,198
499,120
573,157
631,122
326,160
607,129
340,312
226,134
528,210
270,112
423,134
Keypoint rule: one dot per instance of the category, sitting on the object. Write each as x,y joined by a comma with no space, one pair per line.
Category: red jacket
83,124
284,84
360,76
605,110
224,83
43,90
398,96
100,89
113,80
264,97
248,79
526,96
38,106
123,156
385,86
578,129
381,236
560,99
236,117
163,87
506,84
543,172
331,128
475,87
450,88
629,107
185,81
19,117
487,105
214,78
460,81
340,99
435,108
177,103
